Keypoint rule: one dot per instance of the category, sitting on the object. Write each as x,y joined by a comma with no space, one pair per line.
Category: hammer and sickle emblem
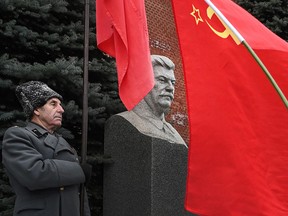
226,32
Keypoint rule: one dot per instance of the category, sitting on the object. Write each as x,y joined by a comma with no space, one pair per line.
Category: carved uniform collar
147,125
159,123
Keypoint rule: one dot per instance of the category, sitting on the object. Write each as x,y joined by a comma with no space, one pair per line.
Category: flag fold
121,31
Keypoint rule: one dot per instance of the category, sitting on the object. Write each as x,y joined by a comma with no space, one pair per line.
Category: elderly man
148,176
43,168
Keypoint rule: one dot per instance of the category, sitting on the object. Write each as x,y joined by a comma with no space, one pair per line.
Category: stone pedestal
148,176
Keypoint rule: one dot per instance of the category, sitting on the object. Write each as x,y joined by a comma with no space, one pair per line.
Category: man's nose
60,109
170,85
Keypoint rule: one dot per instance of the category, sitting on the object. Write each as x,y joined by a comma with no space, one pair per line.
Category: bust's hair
159,60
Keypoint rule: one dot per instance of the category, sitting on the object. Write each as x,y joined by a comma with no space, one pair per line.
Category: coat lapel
54,141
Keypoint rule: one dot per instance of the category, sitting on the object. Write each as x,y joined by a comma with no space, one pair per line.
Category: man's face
50,114
161,96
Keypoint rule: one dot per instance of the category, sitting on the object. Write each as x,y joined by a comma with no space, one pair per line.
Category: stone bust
148,116
149,169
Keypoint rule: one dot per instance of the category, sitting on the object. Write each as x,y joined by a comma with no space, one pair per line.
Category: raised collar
36,129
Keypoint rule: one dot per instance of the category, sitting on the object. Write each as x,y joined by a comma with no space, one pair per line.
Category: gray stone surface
148,176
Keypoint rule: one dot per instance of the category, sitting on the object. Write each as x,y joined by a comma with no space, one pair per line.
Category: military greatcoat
44,172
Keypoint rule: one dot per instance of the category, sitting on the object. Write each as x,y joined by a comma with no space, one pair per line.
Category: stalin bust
148,176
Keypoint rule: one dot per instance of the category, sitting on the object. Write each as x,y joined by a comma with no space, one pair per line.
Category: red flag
122,33
238,152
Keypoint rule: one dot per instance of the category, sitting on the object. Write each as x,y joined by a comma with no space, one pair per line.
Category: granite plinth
148,176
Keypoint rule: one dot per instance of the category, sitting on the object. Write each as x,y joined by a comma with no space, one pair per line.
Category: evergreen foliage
43,40
272,13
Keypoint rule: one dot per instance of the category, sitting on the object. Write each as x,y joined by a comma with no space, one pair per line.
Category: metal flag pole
85,99
251,51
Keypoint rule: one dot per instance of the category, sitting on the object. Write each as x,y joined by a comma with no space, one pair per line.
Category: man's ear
36,112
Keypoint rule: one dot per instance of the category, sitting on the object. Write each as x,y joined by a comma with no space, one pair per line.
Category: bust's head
148,116
161,96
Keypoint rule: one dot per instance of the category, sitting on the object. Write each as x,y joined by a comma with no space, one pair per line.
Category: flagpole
266,72
85,100
251,51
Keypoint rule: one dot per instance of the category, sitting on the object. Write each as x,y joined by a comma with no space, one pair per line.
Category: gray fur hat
34,94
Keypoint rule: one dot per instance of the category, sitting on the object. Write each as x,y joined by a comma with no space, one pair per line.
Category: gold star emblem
196,14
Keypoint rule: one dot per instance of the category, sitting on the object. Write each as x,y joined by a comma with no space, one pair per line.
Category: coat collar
54,141
36,129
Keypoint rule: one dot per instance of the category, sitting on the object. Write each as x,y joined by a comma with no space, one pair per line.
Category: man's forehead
166,74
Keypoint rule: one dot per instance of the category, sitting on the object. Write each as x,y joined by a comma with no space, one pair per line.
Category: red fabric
238,152
122,33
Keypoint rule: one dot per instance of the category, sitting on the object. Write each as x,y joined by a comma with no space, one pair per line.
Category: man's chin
57,125
166,104
166,107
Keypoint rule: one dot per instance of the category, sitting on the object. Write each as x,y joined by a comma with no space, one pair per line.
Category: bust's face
161,96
